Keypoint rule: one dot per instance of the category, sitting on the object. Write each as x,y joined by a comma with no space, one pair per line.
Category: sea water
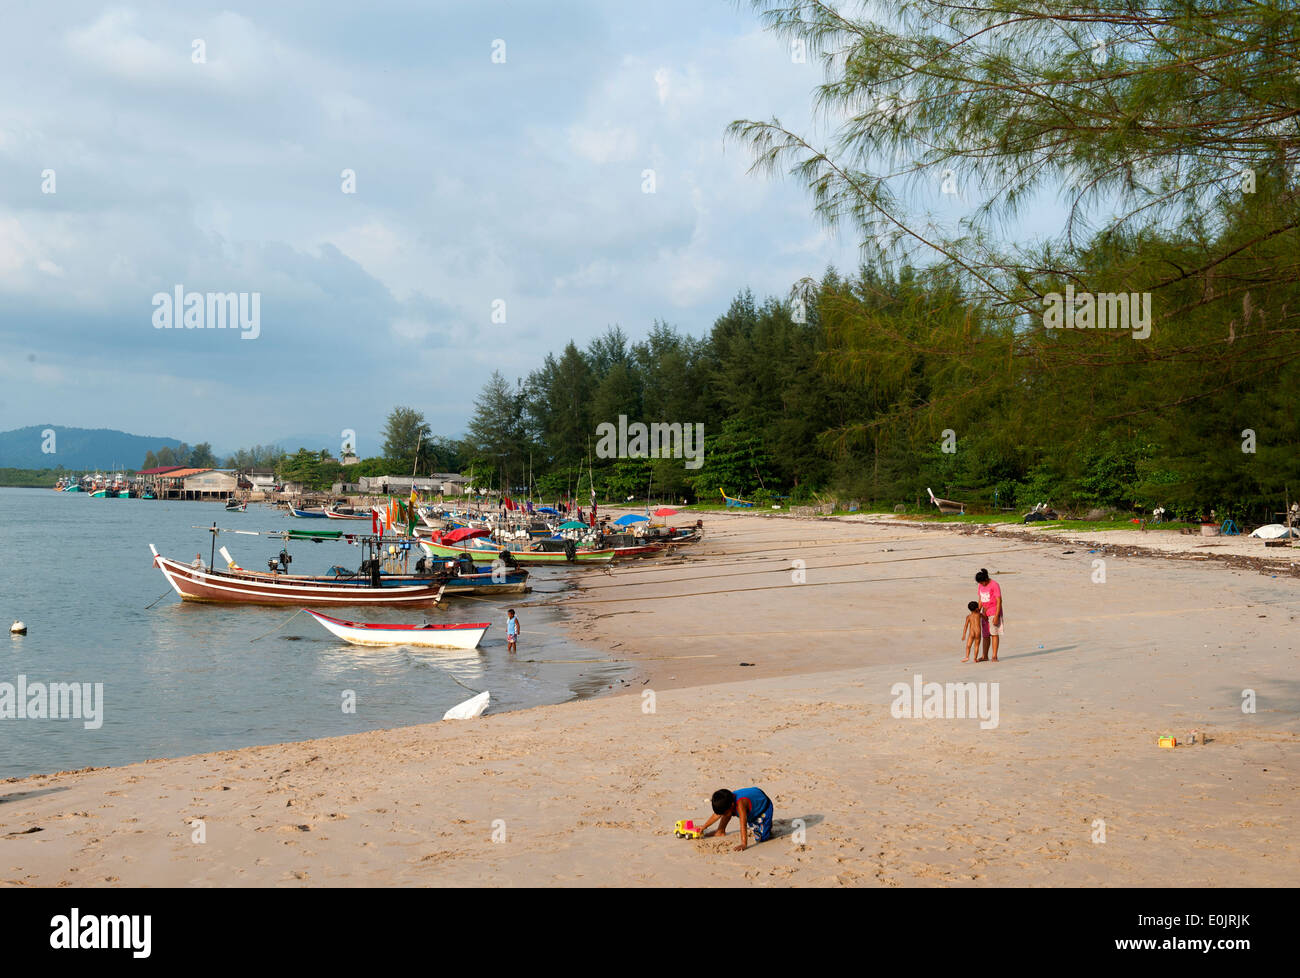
182,678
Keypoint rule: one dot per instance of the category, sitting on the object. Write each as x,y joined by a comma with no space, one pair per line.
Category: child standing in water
973,629
512,630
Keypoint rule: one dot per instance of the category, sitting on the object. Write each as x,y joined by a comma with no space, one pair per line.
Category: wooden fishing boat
484,582
427,636
307,514
947,507
736,503
334,514
544,552
239,586
233,506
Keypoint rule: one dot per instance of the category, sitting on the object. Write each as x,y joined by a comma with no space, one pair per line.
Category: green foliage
30,478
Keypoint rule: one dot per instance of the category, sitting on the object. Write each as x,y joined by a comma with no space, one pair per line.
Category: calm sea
182,678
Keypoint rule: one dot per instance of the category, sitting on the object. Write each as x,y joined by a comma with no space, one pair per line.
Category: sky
498,155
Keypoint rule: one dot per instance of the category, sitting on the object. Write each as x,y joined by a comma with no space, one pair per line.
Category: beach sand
586,793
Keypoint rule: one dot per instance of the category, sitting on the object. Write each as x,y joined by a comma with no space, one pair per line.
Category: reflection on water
181,678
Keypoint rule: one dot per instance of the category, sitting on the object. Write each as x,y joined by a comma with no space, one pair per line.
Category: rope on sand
640,658
766,587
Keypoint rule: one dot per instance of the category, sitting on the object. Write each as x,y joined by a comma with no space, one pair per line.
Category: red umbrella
665,511
464,533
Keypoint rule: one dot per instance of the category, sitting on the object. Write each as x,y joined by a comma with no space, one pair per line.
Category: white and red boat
429,636
239,586
331,513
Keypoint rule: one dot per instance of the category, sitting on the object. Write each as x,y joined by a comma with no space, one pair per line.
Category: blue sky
475,181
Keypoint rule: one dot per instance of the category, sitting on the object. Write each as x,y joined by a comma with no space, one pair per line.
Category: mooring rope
279,626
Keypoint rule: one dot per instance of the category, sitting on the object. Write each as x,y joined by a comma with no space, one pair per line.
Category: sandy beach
1067,788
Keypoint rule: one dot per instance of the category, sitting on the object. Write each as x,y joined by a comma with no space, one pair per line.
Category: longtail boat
334,514
484,581
307,514
735,503
235,506
239,586
947,507
544,552
429,636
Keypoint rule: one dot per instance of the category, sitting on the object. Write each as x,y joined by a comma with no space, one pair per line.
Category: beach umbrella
573,525
665,511
631,518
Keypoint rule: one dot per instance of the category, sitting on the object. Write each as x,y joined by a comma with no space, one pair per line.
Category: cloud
475,182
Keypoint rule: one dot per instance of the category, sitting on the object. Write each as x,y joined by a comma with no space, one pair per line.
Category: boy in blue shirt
750,805
512,630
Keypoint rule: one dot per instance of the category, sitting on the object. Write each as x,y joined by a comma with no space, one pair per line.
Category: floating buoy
17,628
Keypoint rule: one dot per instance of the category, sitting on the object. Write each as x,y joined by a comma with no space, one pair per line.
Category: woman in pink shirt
990,599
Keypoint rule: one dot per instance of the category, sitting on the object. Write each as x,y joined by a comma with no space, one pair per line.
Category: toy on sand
685,829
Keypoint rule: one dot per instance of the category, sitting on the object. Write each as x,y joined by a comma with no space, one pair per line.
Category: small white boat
430,636
470,709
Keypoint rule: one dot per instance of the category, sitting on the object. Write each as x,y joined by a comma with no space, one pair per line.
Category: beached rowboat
733,503
428,636
947,507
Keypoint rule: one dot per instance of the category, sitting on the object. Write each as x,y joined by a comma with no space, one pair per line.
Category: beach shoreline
585,792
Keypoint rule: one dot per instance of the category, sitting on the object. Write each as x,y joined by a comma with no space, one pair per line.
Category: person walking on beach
512,631
990,599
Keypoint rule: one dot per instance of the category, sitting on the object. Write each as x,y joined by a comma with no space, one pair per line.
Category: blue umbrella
631,518
547,509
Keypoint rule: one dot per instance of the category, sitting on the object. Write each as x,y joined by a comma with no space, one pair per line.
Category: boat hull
522,556
431,636
226,587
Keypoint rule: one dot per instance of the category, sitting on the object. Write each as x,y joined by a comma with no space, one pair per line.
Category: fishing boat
307,514
947,507
235,506
735,503
631,545
239,586
344,514
427,636
483,581
541,552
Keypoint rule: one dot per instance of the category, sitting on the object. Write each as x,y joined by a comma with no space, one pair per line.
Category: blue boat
736,503
308,514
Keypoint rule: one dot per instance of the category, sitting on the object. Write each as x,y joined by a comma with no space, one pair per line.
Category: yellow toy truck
685,829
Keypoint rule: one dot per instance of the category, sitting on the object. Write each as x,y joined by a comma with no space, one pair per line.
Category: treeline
879,386
198,457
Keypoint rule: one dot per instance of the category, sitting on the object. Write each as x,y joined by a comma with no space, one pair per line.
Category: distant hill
77,448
